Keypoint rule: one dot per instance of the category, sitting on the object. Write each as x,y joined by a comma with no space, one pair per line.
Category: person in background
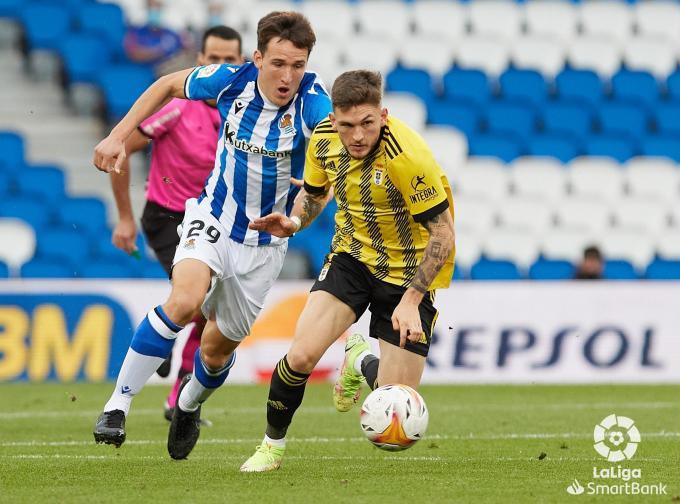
152,43
592,265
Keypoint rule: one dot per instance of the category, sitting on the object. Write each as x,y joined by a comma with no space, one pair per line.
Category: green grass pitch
509,444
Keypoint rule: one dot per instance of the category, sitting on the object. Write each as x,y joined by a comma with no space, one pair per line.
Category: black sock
369,368
285,396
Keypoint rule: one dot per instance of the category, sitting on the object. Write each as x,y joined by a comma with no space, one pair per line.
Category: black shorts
160,228
352,283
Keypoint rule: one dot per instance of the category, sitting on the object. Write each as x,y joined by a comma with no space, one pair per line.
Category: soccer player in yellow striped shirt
393,246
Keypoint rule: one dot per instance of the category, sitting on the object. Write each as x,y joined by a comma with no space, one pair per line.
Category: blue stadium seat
42,182
510,118
635,86
64,244
623,118
122,85
6,183
673,85
459,273
106,269
549,269
583,85
525,85
661,145
486,269
47,268
4,270
660,269
667,118
105,20
467,85
619,269
411,80
562,147
83,56
33,211
85,215
45,24
504,147
10,8
619,147
460,115
571,118
12,150
152,269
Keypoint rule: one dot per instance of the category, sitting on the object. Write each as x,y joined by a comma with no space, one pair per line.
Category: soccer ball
394,417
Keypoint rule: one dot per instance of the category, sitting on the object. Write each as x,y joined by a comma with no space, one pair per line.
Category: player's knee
181,307
301,361
213,356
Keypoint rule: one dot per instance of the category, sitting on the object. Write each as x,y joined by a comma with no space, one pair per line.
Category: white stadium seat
326,52
511,244
668,244
658,18
483,53
433,54
371,53
134,10
599,54
551,18
483,177
596,177
674,213
474,213
440,18
641,213
254,11
565,243
17,242
408,108
651,54
533,215
629,244
468,246
495,18
607,18
335,18
449,147
539,177
546,55
653,177
592,215
384,18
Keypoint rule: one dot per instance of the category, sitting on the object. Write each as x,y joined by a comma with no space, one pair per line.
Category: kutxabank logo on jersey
230,138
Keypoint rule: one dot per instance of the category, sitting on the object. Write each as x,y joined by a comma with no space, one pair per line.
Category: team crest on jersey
207,71
324,272
286,124
378,177
190,244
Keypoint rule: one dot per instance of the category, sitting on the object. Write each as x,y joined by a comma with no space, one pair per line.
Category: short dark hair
289,25
357,87
223,32
592,252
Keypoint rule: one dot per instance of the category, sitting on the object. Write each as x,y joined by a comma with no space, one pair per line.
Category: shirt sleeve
207,82
317,105
419,179
315,175
163,121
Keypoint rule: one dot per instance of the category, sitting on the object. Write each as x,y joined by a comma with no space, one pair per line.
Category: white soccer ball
394,417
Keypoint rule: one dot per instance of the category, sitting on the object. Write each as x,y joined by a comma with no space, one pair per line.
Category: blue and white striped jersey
261,146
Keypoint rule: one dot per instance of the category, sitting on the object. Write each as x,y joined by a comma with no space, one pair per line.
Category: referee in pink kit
184,135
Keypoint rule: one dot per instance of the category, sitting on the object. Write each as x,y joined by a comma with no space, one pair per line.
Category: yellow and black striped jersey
382,199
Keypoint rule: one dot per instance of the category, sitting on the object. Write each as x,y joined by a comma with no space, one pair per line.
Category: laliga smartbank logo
616,439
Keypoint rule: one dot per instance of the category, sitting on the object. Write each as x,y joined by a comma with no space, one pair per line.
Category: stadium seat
607,18
483,177
628,244
598,54
622,119
106,21
11,150
4,270
410,80
135,12
495,18
6,183
449,147
179,14
524,85
532,215
568,118
551,18
83,55
642,213
45,24
459,114
635,86
650,54
667,117
565,243
83,214
561,147
17,242
546,269
370,51
618,269
598,178
474,212
440,54
668,244
673,85
483,53
10,8
446,20
582,85
106,269
661,145
331,18
660,269
395,22
47,268
468,245
658,19
619,147
486,269
467,85
505,147
511,118
64,244
591,214
408,108
512,244
121,86
30,210
675,216
252,12
538,53
41,182
538,177
654,178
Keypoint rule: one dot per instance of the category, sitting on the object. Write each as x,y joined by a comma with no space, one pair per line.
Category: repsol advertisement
486,332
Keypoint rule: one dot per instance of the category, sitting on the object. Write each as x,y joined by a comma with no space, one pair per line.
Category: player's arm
125,233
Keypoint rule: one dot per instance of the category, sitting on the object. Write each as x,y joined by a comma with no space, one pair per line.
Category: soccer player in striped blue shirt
269,109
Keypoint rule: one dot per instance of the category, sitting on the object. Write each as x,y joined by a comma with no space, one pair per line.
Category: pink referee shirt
184,135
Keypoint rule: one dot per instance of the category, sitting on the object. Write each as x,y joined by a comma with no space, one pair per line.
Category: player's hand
406,320
109,155
124,236
297,182
275,224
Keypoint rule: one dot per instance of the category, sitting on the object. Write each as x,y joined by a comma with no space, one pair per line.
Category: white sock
193,395
279,443
134,373
360,359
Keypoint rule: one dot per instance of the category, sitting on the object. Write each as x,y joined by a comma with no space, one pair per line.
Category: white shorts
243,274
